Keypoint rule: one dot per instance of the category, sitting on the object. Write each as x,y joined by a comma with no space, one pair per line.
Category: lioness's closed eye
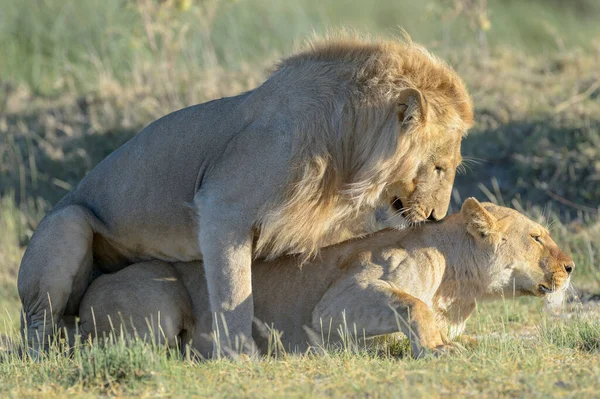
429,277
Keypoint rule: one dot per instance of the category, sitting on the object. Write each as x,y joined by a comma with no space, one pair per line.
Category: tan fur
303,160
154,318
424,282
349,170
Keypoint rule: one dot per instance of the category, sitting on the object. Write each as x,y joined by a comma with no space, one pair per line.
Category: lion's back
167,155
142,191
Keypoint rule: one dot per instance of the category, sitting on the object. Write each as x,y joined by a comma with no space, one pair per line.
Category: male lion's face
529,261
426,195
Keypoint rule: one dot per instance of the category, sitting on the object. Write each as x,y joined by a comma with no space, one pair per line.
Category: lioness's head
525,259
435,128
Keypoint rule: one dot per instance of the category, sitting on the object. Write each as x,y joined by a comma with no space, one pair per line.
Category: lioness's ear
480,223
412,106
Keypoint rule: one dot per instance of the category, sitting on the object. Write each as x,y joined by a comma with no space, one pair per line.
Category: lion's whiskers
399,217
467,164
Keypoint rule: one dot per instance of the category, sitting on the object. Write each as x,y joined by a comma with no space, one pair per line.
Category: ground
81,78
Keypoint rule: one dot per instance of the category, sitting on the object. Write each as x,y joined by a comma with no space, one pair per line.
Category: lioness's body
287,167
432,275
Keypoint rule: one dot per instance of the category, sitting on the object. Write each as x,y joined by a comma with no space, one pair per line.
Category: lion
424,281
298,163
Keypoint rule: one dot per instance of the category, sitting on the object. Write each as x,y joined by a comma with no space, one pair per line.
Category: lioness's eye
536,238
439,169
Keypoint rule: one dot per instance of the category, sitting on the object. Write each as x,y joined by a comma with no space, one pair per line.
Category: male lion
423,281
335,131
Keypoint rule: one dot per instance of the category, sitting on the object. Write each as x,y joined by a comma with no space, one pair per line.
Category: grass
555,360
58,44
581,334
77,79
12,223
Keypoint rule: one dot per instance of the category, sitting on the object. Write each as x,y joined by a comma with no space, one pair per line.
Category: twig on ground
577,98
572,204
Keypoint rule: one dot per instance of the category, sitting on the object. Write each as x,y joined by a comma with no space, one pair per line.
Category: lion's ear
480,223
412,107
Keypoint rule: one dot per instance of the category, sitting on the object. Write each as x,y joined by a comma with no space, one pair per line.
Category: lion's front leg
227,255
376,308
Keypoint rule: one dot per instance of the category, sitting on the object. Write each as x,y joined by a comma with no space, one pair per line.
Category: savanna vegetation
79,78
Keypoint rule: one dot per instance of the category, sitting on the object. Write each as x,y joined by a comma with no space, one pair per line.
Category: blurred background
79,78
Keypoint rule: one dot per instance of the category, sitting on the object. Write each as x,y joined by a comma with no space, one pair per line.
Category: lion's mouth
397,204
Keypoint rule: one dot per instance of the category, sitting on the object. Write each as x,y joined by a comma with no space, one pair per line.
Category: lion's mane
346,146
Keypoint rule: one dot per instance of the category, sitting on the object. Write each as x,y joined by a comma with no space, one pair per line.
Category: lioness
287,167
424,281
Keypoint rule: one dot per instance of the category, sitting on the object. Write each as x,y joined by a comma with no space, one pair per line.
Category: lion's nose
569,267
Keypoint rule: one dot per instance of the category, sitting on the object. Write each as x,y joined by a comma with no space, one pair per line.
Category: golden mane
347,148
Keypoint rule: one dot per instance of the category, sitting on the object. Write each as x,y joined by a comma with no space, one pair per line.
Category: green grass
78,79
12,231
581,334
57,44
557,359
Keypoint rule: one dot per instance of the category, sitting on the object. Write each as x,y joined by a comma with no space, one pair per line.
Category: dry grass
512,356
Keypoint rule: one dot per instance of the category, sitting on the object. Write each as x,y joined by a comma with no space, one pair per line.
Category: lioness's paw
440,350
466,342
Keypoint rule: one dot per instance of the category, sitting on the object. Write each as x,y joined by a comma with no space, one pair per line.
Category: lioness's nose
433,216
569,267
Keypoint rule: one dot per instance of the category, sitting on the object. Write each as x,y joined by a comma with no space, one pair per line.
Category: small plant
117,362
580,333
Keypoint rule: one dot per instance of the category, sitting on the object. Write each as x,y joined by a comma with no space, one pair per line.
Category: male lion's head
434,127
526,260
377,124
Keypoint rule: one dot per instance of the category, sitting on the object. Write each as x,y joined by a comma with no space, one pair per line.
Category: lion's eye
439,169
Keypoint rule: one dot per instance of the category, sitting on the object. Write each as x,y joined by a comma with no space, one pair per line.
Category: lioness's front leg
377,308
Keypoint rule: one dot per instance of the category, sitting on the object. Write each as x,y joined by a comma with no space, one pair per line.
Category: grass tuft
580,333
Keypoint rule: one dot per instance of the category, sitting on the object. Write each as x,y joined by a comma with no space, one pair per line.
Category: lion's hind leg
376,308
55,272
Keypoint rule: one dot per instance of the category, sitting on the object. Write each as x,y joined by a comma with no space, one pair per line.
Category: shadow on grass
33,165
536,162
554,161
